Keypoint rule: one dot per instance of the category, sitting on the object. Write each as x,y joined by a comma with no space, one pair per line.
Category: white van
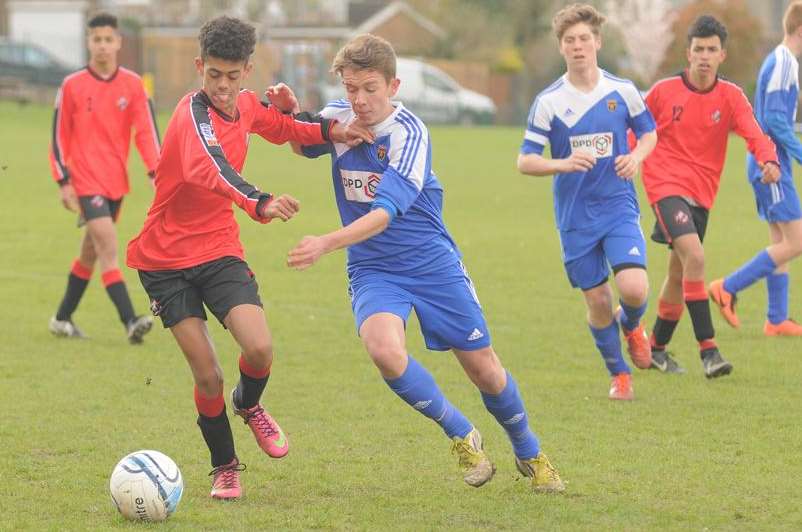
432,95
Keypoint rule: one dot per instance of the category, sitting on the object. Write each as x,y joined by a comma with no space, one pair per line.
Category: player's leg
100,214
230,291
604,329
249,328
670,305
80,274
384,339
503,400
787,235
194,341
625,250
587,269
691,253
179,304
381,307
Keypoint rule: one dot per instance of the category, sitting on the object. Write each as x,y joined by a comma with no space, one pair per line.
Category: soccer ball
146,486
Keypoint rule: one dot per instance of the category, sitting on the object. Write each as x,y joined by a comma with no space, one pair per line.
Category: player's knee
489,375
694,261
599,302
634,294
259,354
210,383
386,353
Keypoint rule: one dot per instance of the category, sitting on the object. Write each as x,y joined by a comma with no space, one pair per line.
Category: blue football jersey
569,120
777,92
394,173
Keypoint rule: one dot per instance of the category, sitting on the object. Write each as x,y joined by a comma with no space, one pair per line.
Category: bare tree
646,32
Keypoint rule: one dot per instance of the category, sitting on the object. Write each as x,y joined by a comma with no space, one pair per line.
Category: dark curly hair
707,26
227,38
102,19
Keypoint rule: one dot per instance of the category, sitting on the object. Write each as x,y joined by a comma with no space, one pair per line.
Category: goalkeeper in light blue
776,97
401,257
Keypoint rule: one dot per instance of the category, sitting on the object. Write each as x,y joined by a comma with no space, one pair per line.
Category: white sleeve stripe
206,148
411,145
535,137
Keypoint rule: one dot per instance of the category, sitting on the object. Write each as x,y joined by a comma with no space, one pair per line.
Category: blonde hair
366,52
575,14
793,17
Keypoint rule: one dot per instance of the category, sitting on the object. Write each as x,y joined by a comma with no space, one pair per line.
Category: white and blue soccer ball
146,486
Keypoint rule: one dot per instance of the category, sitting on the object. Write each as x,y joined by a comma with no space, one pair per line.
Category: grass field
688,454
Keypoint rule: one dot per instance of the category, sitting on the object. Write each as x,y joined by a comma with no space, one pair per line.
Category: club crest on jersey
359,186
612,105
208,134
598,145
122,103
716,116
381,152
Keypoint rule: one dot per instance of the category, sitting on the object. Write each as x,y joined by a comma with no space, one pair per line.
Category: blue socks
760,266
418,389
508,409
630,316
777,284
609,343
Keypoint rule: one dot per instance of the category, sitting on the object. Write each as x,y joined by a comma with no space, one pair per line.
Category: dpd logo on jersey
359,185
122,103
598,145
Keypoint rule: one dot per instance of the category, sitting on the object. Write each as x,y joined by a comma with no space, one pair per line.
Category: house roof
367,26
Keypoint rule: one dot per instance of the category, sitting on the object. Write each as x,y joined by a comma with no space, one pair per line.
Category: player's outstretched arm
537,165
311,248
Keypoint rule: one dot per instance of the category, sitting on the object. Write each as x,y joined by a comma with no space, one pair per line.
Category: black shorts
97,207
677,217
221,284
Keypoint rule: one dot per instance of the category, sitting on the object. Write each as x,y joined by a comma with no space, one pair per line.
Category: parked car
30,63
433,95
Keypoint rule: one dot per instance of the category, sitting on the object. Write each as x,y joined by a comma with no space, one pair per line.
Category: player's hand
578,162
284,207
68,198
352,134
283,98
626,166
771,173
306,253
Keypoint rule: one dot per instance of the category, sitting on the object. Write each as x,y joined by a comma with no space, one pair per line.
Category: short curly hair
102,19
227,38
707,26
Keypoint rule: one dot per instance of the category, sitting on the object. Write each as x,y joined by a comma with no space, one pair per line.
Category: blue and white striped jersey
776,97
597,122
394,173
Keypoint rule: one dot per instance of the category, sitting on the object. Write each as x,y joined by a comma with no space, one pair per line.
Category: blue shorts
586,254
448,310
777,202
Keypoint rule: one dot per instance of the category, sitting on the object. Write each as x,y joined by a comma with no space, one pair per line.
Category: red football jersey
191,220
692,132
92,131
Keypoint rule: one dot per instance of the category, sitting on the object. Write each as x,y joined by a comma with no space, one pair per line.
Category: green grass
687,454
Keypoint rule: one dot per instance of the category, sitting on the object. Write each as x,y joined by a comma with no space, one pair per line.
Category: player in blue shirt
776,98
401,257
584,117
